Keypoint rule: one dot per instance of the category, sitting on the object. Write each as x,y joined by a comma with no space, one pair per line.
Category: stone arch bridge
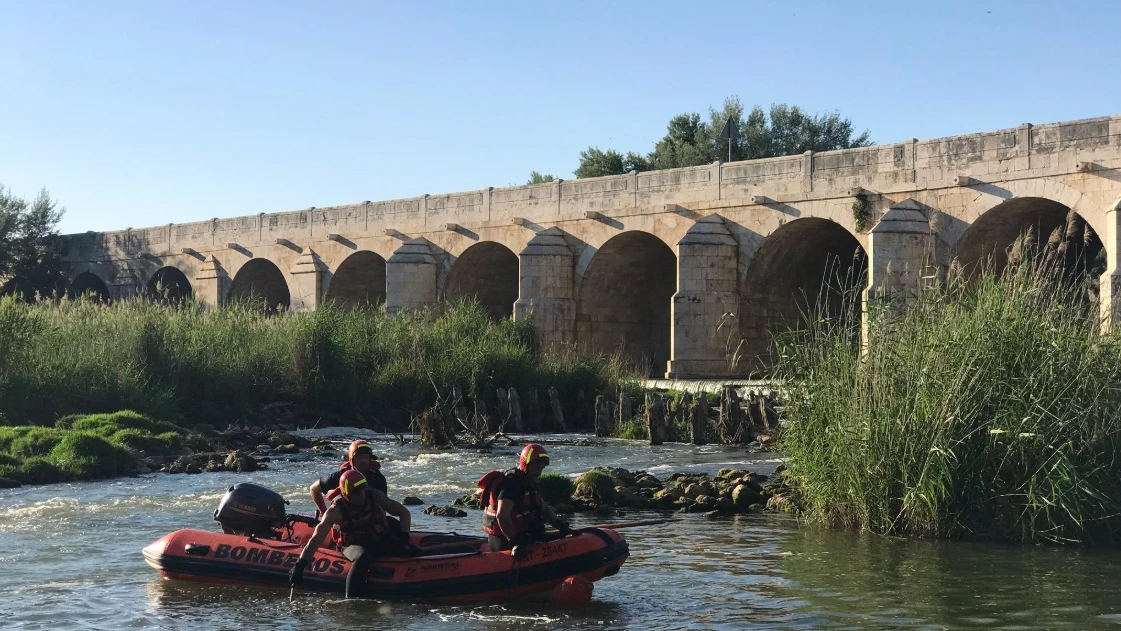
671,268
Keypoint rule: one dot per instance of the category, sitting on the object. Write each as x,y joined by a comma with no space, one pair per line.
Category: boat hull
213,557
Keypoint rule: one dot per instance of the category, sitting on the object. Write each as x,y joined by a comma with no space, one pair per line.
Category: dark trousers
362,555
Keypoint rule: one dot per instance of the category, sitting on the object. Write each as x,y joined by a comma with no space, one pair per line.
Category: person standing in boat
358,526
359,457
514,514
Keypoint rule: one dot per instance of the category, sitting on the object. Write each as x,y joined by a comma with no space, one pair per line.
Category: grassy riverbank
194,365
990,409
85,447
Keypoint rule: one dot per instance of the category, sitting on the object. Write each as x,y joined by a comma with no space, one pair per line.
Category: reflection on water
70,558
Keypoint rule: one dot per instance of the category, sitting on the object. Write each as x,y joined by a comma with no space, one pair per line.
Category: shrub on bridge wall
218,366
987,409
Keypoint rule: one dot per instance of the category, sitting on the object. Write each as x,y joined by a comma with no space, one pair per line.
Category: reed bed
988,408
191,364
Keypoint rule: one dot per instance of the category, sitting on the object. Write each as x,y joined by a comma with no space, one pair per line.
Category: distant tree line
692,141
30,246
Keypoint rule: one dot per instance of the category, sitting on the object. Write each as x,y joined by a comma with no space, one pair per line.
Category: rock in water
409,500
445,511
8,483
471,500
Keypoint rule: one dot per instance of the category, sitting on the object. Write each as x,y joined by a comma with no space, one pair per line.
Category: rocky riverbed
613,491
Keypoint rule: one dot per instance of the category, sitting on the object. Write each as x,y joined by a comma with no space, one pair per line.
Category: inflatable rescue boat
260,543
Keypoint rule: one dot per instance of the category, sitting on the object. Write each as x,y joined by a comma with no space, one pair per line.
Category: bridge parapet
898,167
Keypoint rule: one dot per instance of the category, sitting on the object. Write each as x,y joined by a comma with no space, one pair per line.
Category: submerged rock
470,500
730,491
445,511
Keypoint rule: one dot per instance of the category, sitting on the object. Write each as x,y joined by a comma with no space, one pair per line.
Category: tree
539,178
30,246
690,141
595,162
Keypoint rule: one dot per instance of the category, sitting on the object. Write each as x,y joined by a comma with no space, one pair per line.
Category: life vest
360,526
527,512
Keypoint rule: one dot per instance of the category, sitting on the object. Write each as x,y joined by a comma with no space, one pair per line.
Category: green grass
85,447
195,365
556,488
987,409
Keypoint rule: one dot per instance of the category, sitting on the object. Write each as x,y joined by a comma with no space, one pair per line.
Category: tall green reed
989,408
198,365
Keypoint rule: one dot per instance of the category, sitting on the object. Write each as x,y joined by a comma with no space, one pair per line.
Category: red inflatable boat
261,544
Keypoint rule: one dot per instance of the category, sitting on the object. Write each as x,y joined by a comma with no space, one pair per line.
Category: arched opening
359,281
624,301
18,287
806,268
88,284
488,272
1032,223
169,285
260,281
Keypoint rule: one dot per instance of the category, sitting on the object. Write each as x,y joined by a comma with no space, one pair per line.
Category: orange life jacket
527,514
363,525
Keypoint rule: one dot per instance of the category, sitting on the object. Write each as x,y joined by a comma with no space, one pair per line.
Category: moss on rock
85,455
556,488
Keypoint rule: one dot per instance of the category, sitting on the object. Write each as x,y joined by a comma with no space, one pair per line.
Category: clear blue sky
147,112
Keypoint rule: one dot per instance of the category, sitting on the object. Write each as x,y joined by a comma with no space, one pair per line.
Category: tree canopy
30,246
691,140
540,178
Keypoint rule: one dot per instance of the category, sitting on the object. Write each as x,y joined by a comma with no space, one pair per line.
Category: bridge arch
988,239
809,265
89,284
488,272
624,298
260,280
169,284
358,281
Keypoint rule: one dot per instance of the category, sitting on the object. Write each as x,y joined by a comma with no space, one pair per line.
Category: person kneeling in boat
514,514
359,457
356,521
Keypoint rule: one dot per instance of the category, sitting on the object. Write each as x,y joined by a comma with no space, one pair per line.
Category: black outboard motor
251,509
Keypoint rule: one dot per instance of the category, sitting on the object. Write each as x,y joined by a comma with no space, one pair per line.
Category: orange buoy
574,590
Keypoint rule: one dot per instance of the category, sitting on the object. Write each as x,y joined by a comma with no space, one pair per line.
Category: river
70,559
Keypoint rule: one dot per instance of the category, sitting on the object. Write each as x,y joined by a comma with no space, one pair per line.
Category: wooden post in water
515,406
533,411
655,418
558,411
684,416
731,416
459,406
583,412
699,426
603,416
761,402
502,409
625,411
482,417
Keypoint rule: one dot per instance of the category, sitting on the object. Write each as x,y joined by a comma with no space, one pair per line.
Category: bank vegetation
989,408
189,364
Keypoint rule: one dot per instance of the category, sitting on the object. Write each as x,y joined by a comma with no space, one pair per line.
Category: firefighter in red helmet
360,457
513,511
358,526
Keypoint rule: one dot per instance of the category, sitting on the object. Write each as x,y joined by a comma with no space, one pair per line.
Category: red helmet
351,482
358,447
532,453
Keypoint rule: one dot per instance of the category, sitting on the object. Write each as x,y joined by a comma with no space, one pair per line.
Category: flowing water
70,559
